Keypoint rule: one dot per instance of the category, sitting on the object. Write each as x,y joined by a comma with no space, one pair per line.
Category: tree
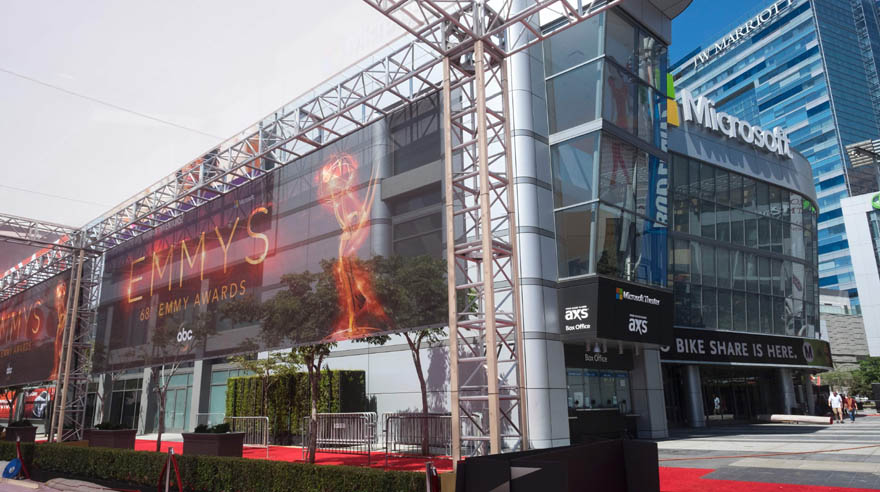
173,341
301,313
839,379
867,373
10,395
413,291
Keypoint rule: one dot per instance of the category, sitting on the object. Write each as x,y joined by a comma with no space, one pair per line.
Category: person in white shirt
836,403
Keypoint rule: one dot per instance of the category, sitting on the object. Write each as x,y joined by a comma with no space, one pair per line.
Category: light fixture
620,348
596,348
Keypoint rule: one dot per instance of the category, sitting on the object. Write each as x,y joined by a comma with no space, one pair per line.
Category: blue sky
707,20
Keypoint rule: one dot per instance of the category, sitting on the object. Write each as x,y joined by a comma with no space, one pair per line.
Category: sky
100,99
705,21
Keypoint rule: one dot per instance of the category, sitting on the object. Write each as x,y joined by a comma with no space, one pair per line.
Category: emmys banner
31,324
295,257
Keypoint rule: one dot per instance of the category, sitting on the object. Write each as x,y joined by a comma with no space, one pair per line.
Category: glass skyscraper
810,67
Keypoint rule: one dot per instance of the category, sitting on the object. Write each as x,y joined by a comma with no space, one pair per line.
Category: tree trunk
313,418
415,349
161,427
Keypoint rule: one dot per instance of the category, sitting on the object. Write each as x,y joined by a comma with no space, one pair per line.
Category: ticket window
592,389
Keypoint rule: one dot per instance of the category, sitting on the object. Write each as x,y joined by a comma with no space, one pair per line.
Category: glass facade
742,253
607,174
812,70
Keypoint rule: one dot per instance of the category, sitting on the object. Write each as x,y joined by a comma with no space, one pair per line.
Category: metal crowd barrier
404,433
256,430
350,433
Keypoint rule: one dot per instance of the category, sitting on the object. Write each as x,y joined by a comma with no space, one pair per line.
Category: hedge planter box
119,439
210,444
25,433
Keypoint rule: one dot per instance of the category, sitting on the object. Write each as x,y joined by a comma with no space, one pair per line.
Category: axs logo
577,313
638,324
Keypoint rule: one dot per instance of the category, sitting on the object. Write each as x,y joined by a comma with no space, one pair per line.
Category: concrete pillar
149,408
648,400
380,214
103,403
786,389
546,391
693,396
200,398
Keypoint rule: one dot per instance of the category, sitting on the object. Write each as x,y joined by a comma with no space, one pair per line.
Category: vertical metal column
67,350
487,377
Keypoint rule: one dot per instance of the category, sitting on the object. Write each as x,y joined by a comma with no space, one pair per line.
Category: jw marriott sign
742,32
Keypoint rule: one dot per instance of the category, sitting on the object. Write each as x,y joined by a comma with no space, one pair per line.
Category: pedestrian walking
836,404
849,404
717,402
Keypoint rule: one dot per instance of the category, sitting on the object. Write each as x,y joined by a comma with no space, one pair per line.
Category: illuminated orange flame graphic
61,309
360,310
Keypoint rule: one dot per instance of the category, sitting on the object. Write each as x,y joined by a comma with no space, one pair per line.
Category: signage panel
746,348
581,355
31,324
601,307
289,259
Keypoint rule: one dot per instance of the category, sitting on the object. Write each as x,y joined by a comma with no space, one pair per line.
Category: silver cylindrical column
693,396
786,389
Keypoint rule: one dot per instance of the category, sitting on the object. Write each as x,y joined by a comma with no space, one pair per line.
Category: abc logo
184,335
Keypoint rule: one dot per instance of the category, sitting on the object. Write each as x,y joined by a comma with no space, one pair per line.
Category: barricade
404,431
349,433
256,430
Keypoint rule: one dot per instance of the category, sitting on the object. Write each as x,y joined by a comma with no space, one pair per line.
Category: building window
575,169
125,399
574,228
752,272
419,236
874,225
589,388
573,46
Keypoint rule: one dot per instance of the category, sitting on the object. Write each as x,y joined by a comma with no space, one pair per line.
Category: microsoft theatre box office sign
745,348
600,307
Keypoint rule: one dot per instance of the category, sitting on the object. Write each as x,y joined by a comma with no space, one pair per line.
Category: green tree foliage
273,364
304,311
867,373
289,402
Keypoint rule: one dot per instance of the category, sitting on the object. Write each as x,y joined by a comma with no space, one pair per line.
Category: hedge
209,473
289,402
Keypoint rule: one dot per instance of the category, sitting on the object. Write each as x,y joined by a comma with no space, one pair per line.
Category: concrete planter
26,433
119,439
227,444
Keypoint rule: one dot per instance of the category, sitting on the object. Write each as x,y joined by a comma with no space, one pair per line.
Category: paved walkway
841,455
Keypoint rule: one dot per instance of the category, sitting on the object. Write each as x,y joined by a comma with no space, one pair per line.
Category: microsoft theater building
659,265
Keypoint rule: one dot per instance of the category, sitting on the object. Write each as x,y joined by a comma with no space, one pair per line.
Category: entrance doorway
177,403
743,393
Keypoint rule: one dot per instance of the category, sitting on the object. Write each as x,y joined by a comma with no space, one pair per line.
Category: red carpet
284,453
688,480
671,479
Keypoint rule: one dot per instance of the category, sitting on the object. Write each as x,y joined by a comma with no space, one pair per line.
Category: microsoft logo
621,295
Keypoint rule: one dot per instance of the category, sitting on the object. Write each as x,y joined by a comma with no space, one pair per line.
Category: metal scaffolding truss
459,47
